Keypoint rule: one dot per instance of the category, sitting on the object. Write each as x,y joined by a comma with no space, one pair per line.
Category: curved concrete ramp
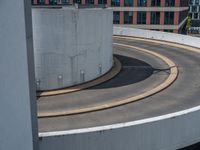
167,120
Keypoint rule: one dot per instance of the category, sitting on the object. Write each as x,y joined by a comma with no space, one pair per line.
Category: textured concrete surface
109,75
71,46
181,95
96,106
172,99
18,120
161,36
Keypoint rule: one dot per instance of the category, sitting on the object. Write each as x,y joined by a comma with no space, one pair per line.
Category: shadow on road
133,71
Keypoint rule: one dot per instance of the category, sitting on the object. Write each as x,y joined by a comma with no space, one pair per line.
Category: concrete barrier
167,132
164,36
71,46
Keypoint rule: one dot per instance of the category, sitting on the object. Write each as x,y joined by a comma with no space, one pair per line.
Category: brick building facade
163,15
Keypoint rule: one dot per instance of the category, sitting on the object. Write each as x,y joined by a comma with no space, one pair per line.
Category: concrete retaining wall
71,46
167,132
170,37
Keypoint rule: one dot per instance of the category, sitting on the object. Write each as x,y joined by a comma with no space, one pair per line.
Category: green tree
189,24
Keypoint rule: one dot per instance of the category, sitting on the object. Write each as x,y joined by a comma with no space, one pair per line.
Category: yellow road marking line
171,78
111,74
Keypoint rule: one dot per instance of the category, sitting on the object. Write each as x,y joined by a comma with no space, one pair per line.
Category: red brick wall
108,3
34,1
176,18
47,2
148,19
71,1
95,2
83,2
162,19
121,17
162,3
121,3
148,3
134,17
177,3
135,3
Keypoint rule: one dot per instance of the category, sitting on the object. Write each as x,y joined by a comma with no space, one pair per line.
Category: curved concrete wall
167,132
169,37
71,46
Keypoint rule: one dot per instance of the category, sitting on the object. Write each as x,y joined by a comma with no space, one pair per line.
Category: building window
41,2
196,2
190,15
169,17
128,2
52,2
128,17
168,30
64,1
155,17
55,2
194,8
155,2
77,1
195,15
115,3
142,3
141,17
169,3
89,1
102,1
116,17
191,2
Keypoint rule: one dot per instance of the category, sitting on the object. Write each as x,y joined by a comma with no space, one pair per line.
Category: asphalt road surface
140,72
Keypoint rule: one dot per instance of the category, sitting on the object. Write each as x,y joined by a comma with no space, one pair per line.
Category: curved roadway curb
109,75
171,78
